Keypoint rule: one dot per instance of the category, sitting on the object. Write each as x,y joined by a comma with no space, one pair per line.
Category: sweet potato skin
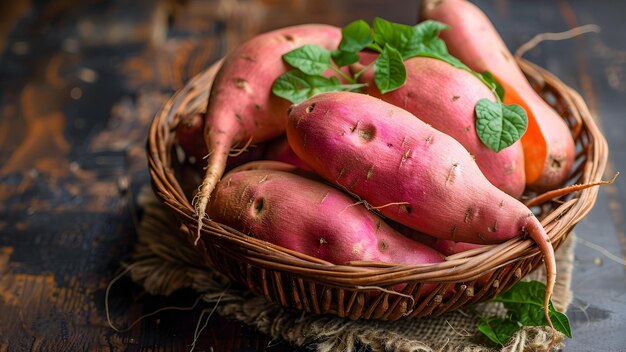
386,155
246,77
311,218
445,97
548,143
241,107
278,149
448,247
410,172
190,128
190,136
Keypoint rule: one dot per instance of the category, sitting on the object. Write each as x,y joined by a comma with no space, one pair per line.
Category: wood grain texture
79,84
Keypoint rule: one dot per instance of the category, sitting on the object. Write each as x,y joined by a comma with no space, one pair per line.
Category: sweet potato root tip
566,190
538,234
214,171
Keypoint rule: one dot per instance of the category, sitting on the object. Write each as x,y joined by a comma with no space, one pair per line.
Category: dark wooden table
79,84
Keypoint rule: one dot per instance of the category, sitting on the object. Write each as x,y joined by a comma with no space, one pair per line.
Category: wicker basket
302,282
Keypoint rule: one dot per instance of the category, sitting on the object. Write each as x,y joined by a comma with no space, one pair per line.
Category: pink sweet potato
241,107
409,171
548,143
190,128
266,165
445,97
445,247
190,137
311,218
278,149
449,247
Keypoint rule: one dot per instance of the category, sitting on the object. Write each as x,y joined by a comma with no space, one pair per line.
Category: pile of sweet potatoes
366,173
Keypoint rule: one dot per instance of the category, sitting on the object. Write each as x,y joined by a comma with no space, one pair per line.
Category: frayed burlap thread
163,262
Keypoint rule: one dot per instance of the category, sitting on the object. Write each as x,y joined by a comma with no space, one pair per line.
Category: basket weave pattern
362,290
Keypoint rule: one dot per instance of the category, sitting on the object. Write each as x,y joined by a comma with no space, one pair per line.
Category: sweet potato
241,106
449,247
190,128
190,136
548,143
278,149
311,218
445,247
445,97
409,171
266,165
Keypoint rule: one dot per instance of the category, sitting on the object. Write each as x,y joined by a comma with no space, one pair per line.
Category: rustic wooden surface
79,83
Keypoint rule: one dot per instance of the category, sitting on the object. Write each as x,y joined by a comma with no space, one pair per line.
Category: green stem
363,70
482,79
342,74
353,86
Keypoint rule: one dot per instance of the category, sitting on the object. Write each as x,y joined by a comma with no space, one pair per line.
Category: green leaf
427,34
419,40
386,32
296,86
498,125
445,57
310,59
560,321
356,36
493,83
343,58
498,330
375,47
524,302
389,70
398,36
422,40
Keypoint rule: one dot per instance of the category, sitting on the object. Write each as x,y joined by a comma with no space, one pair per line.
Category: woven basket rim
457,268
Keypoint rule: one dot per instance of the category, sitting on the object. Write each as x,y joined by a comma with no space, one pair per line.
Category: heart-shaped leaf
498,125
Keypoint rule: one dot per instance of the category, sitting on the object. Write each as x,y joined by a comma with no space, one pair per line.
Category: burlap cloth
164,261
